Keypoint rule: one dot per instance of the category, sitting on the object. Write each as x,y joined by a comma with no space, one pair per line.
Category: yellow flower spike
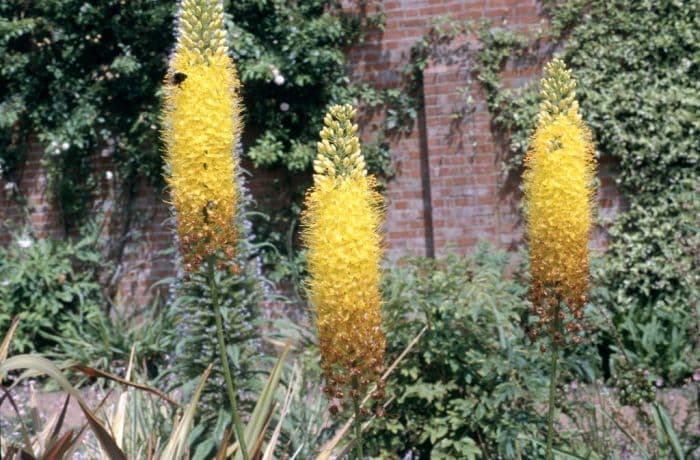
558,198
341,230
202,130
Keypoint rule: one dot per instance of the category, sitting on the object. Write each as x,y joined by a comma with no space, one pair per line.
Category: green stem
552,405
230,385
552,394
358,421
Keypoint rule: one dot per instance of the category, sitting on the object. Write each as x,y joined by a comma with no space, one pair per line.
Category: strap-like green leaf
44,366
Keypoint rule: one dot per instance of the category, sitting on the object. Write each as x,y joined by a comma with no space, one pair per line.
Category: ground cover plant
474,359
454,357
51,284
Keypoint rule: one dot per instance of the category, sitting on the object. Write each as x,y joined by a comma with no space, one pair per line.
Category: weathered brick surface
449,191
470,198
29,189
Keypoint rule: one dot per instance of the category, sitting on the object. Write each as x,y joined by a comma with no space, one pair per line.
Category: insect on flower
202,128
178,78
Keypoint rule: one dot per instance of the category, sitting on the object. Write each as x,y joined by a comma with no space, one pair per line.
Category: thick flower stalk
341,230
558,188
202,130
559,192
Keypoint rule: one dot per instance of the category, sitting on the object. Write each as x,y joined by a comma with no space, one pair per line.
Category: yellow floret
341,230
558,188
202,130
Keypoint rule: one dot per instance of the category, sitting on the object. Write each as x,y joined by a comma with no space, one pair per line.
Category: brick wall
134,232
449,191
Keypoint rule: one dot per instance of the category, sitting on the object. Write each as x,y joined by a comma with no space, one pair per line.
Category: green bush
650,281
51,284
86,77
470,386
105,341
83,77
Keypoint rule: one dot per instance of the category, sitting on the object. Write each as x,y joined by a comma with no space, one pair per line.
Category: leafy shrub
83,76
638,68
470,386
105,341
650,281
51,284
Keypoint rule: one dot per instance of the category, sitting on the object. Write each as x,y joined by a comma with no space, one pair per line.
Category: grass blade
44,366
562,454
291,390
663,424
5,347
221,454
178,439
119,419
91,372
260,416
81,433
626,433
59,422
59,448
23,428
104,437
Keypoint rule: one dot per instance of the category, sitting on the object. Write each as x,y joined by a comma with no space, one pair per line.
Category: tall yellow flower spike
558,187
202,131
341,230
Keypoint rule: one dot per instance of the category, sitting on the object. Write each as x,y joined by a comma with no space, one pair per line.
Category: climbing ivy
638,68
637,65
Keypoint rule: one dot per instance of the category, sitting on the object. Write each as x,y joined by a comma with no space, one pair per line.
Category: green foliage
83,77
638,70
470,386
637,64
51,284
292,63
292,53
650,280
105,341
